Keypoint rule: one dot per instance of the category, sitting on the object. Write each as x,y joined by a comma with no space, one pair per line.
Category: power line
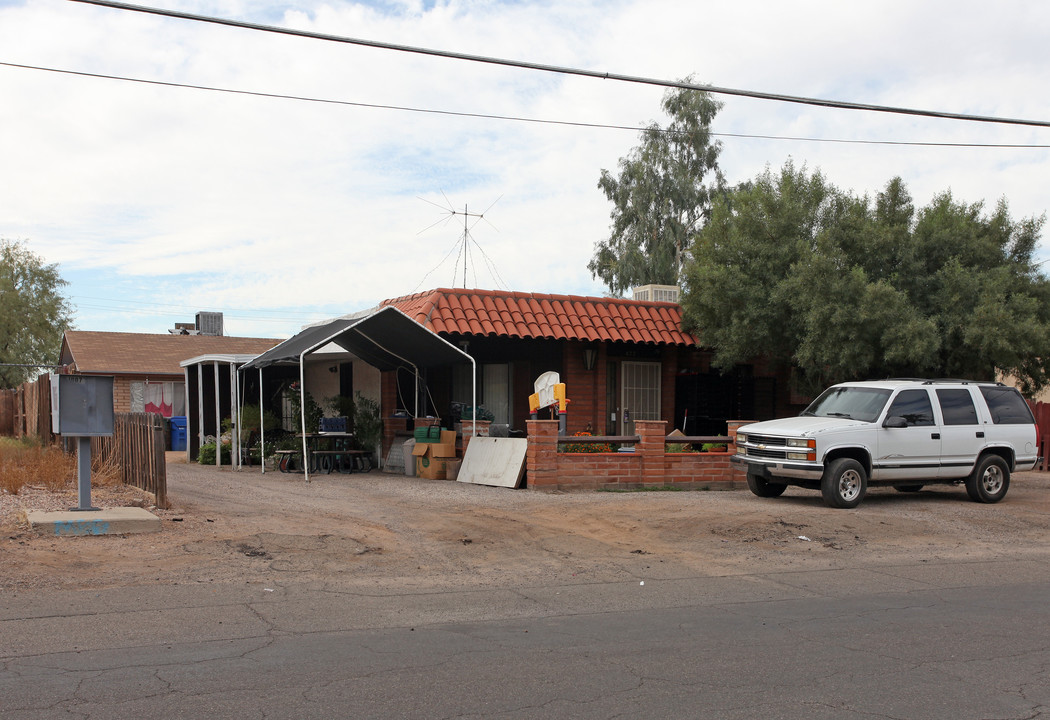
508,118
837,104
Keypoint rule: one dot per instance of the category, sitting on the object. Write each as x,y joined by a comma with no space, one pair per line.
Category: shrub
206,456
368,425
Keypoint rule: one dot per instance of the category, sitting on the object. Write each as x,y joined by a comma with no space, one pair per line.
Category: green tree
840,287
660,196
33,313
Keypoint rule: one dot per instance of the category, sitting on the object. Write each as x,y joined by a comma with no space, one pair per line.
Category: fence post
541,455
651,446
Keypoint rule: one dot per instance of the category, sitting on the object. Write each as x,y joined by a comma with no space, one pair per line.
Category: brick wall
585,388
648,466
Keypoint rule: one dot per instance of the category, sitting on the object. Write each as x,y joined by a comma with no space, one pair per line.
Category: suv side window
1007,406
914,406
957,407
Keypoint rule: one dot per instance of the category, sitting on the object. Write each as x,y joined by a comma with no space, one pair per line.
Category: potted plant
368,425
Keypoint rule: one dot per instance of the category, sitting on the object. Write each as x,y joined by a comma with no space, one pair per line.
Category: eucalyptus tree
661,196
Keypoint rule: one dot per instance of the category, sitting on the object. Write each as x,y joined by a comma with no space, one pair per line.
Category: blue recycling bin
178,433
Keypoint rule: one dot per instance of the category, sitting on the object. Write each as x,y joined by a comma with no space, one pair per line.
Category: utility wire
838,104
509,118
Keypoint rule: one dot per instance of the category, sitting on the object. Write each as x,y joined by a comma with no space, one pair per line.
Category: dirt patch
227,526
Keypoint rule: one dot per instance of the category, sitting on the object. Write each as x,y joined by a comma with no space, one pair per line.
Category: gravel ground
378,529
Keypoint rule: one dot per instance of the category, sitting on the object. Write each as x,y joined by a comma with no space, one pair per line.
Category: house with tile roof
622,360
146,367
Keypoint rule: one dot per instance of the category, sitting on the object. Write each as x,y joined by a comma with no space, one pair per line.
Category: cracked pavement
360,597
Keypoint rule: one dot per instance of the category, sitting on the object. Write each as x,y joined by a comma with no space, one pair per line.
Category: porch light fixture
590,356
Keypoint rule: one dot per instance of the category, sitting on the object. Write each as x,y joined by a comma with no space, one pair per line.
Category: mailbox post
82,407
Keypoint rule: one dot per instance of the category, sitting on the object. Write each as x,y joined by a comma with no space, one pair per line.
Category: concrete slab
108,521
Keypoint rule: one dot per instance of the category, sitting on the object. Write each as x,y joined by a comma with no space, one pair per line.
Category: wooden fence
1041,411
137,449
7,412
26,410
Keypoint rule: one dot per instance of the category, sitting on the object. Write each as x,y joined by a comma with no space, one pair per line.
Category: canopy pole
218,418
473,396
262,428
302,414
235,414
186,408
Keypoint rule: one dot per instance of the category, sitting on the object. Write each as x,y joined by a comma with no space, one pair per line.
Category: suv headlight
807,449
741,437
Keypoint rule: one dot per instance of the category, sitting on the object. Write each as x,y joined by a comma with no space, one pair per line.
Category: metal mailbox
82,405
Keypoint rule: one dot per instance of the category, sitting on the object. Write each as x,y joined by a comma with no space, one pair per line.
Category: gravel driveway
226,526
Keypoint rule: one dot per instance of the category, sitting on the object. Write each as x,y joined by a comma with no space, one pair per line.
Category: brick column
733,426
541,456
651,446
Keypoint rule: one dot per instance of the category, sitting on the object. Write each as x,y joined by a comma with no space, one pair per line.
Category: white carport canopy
384,337
231,362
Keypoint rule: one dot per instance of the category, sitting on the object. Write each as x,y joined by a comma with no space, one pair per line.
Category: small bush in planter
586,447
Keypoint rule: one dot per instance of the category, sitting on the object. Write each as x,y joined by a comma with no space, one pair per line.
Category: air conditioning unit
656,293
209,323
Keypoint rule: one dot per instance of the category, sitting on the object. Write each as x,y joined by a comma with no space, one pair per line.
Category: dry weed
23,464
105,471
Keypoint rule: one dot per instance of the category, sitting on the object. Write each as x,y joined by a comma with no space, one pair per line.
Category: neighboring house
621,360
145,367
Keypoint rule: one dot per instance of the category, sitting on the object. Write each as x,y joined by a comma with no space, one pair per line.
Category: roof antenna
463,244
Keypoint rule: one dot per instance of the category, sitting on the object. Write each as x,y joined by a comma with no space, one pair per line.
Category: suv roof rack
935,381
957,381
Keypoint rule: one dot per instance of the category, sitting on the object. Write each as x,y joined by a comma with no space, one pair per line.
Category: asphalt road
925,639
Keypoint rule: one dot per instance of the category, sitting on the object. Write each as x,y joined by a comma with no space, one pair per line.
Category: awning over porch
385,338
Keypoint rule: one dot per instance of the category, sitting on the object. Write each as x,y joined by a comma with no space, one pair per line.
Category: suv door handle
980,433
935,436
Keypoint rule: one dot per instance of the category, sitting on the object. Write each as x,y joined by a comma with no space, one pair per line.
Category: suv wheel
763,488
989,481
844,483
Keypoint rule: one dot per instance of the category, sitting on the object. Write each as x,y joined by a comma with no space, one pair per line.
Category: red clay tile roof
532,315
145,354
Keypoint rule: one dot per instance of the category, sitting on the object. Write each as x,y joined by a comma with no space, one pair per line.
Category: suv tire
763,488
989,481
844,484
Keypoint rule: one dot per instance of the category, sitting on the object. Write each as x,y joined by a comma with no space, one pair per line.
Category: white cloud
244,203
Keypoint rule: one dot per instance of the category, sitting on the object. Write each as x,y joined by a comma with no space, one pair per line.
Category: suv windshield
856,403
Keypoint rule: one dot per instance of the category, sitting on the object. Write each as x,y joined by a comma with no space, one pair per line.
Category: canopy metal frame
385,338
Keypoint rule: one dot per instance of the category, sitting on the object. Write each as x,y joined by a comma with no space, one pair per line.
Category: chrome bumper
778,468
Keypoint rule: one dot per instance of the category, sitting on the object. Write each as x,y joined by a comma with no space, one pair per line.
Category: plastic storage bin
178,433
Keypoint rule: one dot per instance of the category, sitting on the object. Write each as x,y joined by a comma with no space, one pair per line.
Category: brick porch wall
648,466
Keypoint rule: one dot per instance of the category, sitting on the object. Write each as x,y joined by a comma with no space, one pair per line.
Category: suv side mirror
895,421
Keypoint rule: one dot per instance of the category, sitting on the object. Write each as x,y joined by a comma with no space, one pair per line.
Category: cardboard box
431,458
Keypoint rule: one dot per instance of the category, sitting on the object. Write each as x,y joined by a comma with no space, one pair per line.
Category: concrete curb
109,521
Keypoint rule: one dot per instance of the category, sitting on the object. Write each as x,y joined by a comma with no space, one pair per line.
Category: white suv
904,433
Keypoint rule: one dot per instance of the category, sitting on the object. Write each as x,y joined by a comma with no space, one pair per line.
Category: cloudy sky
159,201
